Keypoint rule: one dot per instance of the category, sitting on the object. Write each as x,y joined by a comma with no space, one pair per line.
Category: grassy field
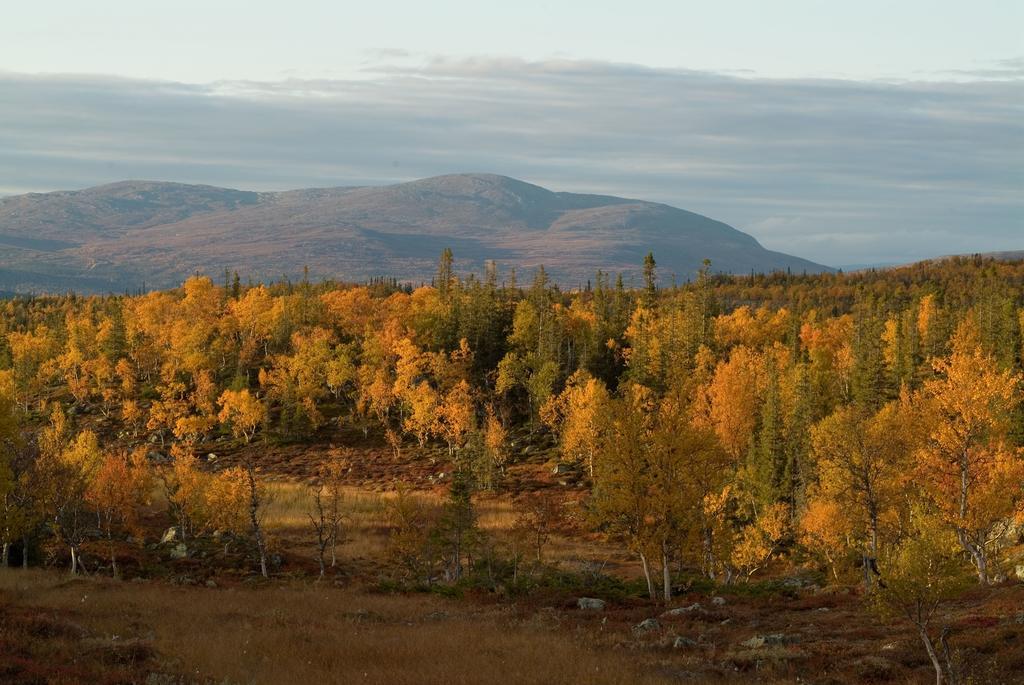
294,634
211,620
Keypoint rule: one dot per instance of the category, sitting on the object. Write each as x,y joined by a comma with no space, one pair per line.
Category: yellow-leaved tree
921,574
578,414
862,461
13,517
245,414
967,466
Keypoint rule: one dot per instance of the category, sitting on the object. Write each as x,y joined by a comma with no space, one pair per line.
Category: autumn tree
578,416
245,415
645,489
226,498
862,463
326,515
761,539
456,416
70,475
119,488
920,576
495,440
13,517
821,530
967,466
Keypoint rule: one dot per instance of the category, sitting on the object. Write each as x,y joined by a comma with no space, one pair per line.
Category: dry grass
299,634
366,524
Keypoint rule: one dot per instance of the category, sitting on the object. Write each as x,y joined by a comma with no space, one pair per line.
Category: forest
865,428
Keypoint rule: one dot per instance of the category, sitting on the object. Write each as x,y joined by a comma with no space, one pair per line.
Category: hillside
125,234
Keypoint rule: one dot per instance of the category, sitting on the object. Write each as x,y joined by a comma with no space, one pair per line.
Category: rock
683,643
682,611
211,457
645,626
211,583
796,583
561,469
170,535
154,439
179,551
590,603
759,641
718,601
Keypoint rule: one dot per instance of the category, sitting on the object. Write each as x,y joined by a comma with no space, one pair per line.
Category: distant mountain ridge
120,235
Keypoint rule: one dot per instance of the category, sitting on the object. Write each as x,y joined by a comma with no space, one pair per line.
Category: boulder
561,469
590,604
683,643
796,583
646,626
179,551
718,601
682,611
211,457
172,534
759,641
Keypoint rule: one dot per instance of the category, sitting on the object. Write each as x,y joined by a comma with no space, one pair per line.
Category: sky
846,133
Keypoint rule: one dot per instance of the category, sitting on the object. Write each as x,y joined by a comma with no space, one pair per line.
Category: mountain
122,235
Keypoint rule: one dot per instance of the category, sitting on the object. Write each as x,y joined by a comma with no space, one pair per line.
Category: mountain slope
121,235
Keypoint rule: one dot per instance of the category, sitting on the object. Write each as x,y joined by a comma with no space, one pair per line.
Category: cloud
836,171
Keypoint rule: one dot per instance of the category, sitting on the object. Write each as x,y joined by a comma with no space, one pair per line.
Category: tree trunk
666,573
74,560
113,561
647,576
709,553
932,654
24,553
254,519
951,672
5,556
977,553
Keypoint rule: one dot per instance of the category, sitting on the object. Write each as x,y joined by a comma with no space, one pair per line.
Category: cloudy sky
845,133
